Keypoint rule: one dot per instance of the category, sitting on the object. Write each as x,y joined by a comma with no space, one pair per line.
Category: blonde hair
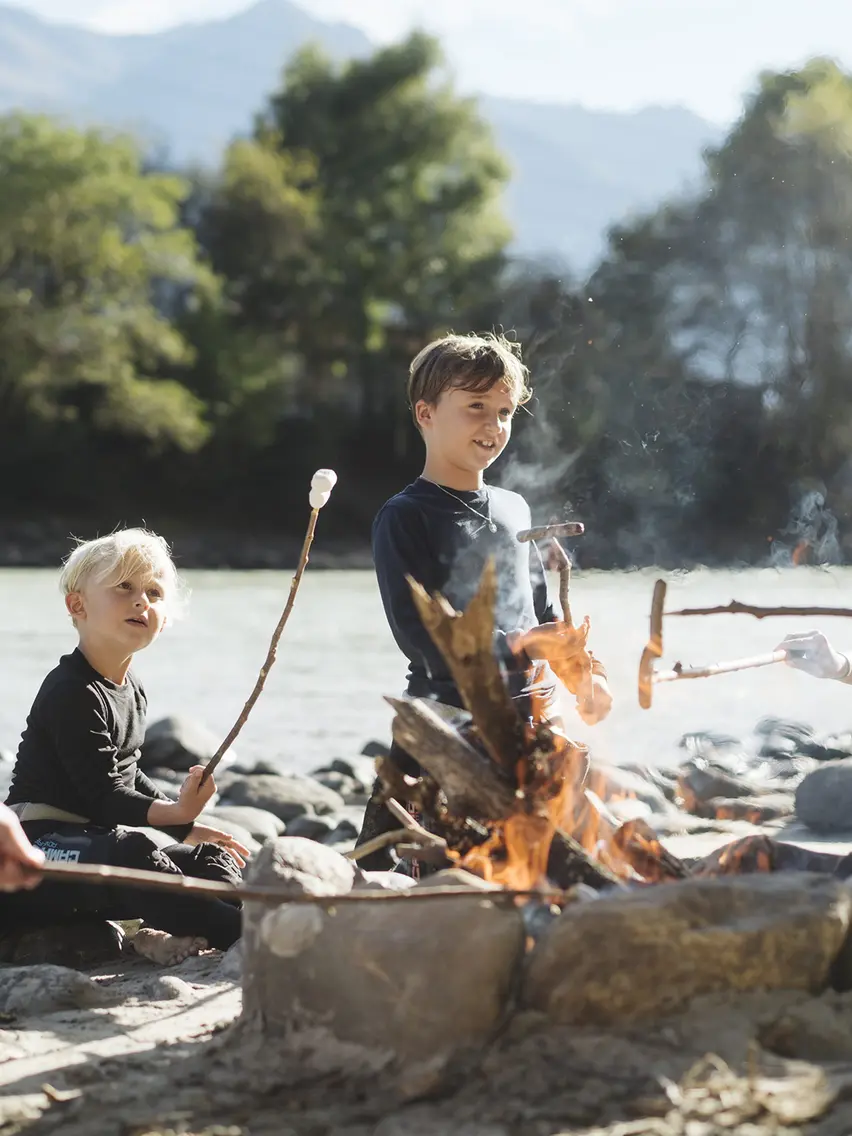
470,363
119,557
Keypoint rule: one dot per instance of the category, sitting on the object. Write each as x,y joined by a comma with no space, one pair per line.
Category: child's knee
136,850
210,862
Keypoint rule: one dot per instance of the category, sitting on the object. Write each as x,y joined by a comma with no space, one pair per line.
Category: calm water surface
336,659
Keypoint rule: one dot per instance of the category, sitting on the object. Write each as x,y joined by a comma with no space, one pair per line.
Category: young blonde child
77,788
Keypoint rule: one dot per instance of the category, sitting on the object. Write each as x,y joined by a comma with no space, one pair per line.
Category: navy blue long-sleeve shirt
429,534
80,749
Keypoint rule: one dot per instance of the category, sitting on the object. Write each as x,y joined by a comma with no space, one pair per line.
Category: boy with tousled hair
76,787
442,529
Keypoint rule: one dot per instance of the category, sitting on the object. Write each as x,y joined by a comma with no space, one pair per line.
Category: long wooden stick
271,653
210,889
737,608
564,561
395,836
411,834
678,672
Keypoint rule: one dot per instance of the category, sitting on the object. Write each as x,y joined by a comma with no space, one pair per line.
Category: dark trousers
379,819
216,920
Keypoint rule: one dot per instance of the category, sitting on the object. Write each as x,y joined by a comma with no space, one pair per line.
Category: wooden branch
407,821
412,835
378,843
270,655
731,666
569,864
434,856
467,644
209,889
737,608
564,562
472,784
640,846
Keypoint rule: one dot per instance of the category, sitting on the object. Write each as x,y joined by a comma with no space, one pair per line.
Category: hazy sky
615,54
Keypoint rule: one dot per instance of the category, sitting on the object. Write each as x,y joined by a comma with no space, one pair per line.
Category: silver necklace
491,526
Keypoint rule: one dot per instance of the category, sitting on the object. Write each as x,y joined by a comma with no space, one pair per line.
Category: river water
323,698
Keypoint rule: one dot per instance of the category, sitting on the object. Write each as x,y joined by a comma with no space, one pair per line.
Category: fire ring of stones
633,933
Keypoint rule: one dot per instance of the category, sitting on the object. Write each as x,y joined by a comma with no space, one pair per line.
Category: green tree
370,220
256,218
724,328
93,264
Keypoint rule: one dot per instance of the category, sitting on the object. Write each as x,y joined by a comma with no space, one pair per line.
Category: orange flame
556,792
800,553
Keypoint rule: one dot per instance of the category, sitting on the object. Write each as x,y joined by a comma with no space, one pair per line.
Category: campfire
518,803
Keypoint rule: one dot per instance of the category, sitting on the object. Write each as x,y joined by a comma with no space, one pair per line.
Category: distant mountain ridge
189,90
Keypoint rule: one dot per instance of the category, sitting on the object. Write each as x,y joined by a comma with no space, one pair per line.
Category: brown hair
467,362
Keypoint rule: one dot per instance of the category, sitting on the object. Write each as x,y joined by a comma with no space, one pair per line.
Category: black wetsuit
78,755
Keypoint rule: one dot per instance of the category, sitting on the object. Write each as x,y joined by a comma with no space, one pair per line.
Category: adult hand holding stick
322,483
20,863
811,652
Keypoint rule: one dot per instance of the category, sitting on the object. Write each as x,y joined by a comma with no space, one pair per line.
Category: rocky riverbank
688,1008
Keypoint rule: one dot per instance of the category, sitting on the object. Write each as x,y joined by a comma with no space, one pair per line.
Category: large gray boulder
179,743
224,824
824,797
419,979
30,990
286,796
613,782
646,953
699,783
260,824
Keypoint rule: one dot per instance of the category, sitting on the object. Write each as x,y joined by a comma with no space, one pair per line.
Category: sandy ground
164,1051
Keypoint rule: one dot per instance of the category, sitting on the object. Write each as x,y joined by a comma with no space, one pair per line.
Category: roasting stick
678,672
552,533
322,483
544,532
649,677
737,608
564,561
211,889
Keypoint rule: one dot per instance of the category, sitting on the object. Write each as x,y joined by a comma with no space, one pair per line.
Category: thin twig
403,816
729,667
564,567
378,843
408,821
271,654
737,608
411,834
210,889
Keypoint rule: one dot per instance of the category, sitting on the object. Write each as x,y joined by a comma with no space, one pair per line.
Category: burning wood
751,854
497,790
517,802
649,677
641,849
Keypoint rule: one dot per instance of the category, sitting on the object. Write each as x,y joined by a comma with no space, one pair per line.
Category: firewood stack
496,788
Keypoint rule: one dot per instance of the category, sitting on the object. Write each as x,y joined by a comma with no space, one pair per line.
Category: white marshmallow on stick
324,480
322,483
